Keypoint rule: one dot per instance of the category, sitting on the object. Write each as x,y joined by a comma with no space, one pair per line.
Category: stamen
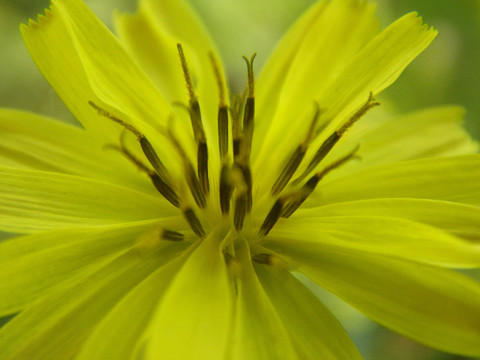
264,259
297,199
194,222
197,125
222,110
249,111
296,158
241,197
226,189
147,148
190,176
271,218
172,235
332,140
161,186
236,129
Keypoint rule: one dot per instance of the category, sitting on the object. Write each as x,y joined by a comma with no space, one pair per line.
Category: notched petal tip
41,20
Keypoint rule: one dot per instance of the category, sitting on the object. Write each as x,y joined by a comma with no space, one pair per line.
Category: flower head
172,224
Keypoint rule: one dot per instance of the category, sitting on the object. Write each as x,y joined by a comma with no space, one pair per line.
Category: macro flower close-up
186,220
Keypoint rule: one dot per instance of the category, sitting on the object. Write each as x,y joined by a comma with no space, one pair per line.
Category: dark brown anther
223,132
164,189
249,110
171,235
190,175
271,218
247,178
332,140
297,199
202,162
241,203
153,159
197,125
194,222
226,189
264,259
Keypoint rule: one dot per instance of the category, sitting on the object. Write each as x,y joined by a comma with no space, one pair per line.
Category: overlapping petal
36,142
395,237
436,179
36,265
84,62
197,306
434,306
254,308
56,326
315,332
33,200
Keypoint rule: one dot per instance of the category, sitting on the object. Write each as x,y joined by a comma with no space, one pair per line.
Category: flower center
235,177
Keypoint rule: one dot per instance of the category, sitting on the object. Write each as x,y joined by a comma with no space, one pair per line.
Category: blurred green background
447,72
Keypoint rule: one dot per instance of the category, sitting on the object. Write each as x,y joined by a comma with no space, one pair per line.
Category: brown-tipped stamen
222,109
190,176
332,140
171,235
296,158
235,112
197,125
294,201
241,197
147,148
194,222
162,187
249,110
272,218
226,189
264,259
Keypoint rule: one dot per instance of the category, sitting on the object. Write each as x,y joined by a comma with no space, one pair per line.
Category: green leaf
35,200
316,333
437,307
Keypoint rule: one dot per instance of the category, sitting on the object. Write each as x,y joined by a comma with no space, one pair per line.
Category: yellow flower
170,226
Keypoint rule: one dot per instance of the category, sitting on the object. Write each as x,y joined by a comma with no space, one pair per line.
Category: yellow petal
434,306
197,306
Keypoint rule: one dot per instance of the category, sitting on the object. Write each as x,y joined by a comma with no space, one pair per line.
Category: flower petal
371,69
84,62
35,200
317,334
309,56
436,179
118,336
197,306
434,306
37,142
36,265
460,220
395,237
257,323
428,133
56,326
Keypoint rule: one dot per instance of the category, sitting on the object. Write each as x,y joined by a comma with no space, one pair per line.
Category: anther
222,109
296,158
332,140
194,222
297,199
264,259
241,197
171,235
272,218
197,125
190,176
226,189
146,146
249,111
